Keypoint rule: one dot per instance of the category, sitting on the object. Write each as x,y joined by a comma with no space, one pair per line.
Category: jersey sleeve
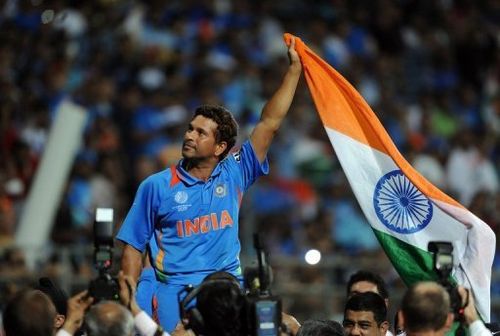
138,227
249,165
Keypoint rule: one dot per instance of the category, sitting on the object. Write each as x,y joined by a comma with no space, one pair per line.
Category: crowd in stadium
429,69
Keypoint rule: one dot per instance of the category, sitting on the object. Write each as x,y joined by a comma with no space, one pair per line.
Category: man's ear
220,148
59,321
449,321
384,326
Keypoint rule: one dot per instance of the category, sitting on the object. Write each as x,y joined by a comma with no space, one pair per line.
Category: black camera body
105,286
263,309
443,265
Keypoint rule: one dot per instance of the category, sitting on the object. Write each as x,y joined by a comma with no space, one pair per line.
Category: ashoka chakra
399,205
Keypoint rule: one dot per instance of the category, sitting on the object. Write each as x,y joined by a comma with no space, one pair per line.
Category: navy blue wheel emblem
399,205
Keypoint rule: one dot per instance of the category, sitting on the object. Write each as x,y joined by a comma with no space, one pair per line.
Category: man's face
362,323
199,139
362,287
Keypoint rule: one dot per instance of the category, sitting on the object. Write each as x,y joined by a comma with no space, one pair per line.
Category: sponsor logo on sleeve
237,156
220,190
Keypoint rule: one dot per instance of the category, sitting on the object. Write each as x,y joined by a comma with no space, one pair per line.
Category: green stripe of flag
412,263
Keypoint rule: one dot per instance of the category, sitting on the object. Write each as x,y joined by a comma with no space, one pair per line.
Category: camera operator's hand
291,323
470,313
77,305
128,287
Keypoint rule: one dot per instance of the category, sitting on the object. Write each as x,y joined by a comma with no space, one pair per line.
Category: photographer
425,310
29,312
222,309
108,317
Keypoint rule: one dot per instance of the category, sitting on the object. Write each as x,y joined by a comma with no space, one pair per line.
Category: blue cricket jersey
191,225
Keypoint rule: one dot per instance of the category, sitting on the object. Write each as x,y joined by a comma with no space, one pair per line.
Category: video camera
261,312
263,309
443,265
104,287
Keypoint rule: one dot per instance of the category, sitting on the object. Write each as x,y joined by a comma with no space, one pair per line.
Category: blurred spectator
491,113
7,215
366,281
13,264
469,169
29,312
349,229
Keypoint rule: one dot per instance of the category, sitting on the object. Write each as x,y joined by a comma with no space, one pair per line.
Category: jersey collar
189,179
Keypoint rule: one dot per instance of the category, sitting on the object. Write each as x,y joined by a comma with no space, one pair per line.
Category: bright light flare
312,257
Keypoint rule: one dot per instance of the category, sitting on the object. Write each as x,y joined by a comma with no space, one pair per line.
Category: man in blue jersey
188,213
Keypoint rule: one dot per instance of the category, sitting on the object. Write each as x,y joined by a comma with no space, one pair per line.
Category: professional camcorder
259,311
104,287
263,309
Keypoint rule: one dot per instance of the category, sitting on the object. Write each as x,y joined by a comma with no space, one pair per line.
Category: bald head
109,318
426,307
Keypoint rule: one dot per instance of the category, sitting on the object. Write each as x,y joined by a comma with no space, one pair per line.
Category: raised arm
277,107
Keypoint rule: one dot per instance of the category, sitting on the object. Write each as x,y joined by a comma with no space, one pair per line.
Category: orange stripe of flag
343,109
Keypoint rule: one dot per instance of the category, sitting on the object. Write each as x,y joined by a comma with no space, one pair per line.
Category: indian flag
405,210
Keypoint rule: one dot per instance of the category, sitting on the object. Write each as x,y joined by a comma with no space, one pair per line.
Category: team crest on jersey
237,156
220,190
181,197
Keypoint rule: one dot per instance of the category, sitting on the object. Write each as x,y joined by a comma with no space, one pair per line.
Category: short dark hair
315,327
28,313
221,303
222,275
369,301
368,276
425,307
227,127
